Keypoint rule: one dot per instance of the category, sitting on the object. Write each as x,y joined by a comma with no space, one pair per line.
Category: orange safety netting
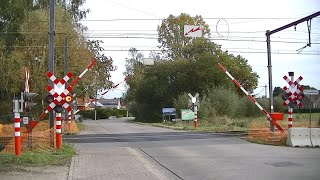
260,133
40,139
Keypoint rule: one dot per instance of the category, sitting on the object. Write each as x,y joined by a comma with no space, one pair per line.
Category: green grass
220,124
216,124
81,126
10,162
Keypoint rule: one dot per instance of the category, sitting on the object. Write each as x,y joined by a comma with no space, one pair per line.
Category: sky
238,26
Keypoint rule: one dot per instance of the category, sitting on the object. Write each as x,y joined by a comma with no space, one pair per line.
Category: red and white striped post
17,139
195,121
293,91
195,109
290,117
69,120
58,131
250,97
290,110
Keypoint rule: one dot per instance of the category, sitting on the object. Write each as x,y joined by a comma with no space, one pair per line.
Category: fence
40,139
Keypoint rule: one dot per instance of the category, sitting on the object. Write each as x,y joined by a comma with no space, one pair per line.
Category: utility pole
51,61
270,78
268,34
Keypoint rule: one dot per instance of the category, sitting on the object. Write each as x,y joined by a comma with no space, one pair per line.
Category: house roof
96,103
109,101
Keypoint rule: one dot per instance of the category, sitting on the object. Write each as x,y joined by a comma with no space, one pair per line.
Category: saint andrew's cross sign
59,97
293,92
59,92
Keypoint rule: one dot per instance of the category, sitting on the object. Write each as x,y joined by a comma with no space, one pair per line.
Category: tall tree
32,51
171,35
12,13
186,65
277,91
134,72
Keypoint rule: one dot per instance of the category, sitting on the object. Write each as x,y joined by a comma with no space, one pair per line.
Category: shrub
181,103
220,102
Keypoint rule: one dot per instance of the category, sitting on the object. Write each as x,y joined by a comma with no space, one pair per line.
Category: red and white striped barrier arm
87,104
250,97
26,84
74,82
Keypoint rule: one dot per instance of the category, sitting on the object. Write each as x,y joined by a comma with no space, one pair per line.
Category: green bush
146,112
219,102
224,102
277,104
87,114
181,103
6,119
121,113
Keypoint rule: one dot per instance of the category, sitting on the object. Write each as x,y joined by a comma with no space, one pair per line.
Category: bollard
58,131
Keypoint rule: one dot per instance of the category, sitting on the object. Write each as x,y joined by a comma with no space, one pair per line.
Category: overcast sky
239,26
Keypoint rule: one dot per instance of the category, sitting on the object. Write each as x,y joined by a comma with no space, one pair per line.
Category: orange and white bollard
195,120
58,131
17,138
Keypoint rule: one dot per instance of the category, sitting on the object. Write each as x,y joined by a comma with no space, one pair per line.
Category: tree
171,37
31,50
305,87
277,91
134,72
186,66
12,13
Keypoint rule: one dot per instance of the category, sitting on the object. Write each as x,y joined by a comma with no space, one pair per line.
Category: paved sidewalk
112,163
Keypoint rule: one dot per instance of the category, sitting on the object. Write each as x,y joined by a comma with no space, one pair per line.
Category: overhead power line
204,18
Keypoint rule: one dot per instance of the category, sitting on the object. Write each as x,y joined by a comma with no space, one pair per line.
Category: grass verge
80,126
225,124
10,162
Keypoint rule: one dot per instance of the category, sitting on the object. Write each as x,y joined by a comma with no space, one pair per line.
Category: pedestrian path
112,163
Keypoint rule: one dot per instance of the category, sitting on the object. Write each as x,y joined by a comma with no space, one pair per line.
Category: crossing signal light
49,99
27,98
285,96
300,97
292,104
58,108
68,98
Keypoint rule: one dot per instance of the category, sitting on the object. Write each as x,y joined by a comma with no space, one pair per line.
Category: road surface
171,154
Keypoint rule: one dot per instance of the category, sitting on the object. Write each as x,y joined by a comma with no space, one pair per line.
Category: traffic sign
292,92
59,98
193,98
25,120
192,31
311,92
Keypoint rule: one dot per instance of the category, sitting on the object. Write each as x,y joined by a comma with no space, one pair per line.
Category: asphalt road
191,155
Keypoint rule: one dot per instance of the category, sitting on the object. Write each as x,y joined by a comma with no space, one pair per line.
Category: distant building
81,102
101,103
110,103
314,101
